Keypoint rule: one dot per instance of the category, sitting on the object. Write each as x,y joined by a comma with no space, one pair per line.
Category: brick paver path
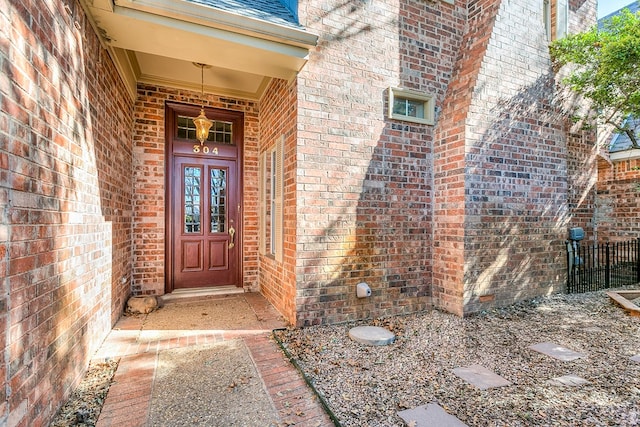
129,398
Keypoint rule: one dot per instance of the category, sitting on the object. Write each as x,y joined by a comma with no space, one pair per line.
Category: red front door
203,203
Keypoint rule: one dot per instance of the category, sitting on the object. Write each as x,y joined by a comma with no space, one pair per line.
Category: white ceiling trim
180,84
127,67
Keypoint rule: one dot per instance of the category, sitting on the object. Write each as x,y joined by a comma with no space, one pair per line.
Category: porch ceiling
157,42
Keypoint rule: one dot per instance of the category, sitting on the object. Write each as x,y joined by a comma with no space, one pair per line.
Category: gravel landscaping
368,385
84,406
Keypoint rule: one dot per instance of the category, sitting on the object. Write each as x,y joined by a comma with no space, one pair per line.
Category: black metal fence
602,266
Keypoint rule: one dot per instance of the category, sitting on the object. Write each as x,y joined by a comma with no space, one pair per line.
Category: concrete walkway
128,402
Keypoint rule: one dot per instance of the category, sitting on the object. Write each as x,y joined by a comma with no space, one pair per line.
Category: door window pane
192,178
218,200
220,132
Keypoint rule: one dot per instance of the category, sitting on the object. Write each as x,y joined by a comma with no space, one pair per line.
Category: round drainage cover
371,335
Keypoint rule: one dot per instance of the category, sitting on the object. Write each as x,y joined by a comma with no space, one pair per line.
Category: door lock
232,235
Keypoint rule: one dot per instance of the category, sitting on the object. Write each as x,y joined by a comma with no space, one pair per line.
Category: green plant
606,70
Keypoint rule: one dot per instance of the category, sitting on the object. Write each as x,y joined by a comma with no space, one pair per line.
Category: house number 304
204,149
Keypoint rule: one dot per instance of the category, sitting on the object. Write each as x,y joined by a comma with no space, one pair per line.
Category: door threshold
195,293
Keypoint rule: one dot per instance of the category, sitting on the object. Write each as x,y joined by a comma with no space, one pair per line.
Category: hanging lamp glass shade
202,126
201,122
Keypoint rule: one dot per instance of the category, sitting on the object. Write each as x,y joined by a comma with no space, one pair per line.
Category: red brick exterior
149,182
582,152
474,210
513,182
366,207
618,200
277,116
450,164
65,204
278,110
465,215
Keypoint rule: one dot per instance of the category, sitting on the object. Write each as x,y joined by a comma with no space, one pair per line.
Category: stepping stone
481,377
371,335
431,415
568,381
636,358
556,351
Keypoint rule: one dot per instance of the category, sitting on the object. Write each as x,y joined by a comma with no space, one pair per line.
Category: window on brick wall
271,197
411,106
556,18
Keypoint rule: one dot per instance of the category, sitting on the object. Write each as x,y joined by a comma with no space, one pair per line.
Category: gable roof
621,141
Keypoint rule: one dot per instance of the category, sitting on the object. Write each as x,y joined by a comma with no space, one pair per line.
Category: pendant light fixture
202,123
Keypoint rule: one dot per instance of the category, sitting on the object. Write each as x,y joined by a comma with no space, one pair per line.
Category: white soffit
157,41
172,73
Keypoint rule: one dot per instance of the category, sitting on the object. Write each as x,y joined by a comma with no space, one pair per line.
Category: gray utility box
576,233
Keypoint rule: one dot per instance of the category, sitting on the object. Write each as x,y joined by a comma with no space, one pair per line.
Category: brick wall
450,161
517,182
149,184
278,110
618,200
582,150
582,174
516,161
472,208
364,184
507,168
476,209
65,192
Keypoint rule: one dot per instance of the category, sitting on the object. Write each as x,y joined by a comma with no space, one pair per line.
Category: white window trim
262,194
562,18
273,199
278,225
546,15
427,100
561,27
272,246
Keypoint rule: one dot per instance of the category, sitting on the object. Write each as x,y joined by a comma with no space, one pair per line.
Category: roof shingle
271,11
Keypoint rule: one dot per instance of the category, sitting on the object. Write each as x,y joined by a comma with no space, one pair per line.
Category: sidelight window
271,198
556,18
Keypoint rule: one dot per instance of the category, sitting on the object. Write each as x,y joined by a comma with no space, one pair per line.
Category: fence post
567,245
638,260
607,267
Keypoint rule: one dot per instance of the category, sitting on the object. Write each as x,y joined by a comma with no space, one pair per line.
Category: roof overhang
157,42
630,154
